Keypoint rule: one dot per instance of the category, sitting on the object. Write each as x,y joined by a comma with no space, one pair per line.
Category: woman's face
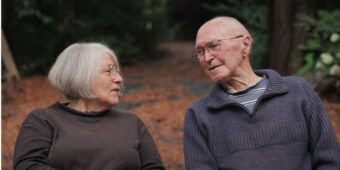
105,84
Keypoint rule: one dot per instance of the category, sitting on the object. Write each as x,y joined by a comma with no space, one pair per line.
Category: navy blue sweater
289,129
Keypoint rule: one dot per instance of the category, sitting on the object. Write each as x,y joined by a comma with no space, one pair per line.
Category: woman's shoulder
43,111
123,114
126,117
40,116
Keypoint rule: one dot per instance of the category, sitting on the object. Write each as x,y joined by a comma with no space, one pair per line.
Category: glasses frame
113,70
195,55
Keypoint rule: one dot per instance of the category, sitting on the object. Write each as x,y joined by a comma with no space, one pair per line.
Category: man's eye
200,51
213,46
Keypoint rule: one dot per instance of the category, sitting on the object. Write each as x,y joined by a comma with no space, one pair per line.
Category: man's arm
196,151
323,143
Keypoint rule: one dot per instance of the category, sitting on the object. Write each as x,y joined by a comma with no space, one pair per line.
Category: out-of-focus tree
284,36
38,30
187,16
253,14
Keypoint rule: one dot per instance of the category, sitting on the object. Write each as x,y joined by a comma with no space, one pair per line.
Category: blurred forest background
293,37
284,31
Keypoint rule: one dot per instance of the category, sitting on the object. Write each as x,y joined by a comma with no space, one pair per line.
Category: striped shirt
249,96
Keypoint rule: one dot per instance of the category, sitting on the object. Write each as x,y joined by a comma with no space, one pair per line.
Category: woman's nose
117,78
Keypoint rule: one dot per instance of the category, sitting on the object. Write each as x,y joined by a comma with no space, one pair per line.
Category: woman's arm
33,144
148,151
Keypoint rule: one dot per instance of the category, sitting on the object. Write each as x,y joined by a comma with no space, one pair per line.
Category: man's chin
216,75
216,78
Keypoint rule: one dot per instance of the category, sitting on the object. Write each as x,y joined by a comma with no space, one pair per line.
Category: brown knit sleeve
148,151
33,143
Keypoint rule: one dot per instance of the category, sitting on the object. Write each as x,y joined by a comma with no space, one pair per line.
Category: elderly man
253,119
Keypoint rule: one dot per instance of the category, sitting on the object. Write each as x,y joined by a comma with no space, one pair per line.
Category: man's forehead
208,33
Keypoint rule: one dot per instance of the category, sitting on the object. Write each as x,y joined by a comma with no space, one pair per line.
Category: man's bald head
224,26
224,45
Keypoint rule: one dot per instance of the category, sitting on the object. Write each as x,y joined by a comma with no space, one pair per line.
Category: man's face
220,66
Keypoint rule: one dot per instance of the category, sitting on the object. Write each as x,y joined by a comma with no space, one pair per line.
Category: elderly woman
85,133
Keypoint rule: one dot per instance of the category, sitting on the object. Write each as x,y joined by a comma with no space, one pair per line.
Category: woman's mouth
116,90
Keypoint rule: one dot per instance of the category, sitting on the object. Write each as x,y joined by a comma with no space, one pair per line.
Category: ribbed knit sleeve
196,152
33,144
323,143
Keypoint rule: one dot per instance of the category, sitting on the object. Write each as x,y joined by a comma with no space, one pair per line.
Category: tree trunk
284,36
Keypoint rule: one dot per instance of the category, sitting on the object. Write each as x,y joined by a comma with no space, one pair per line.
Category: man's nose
208,56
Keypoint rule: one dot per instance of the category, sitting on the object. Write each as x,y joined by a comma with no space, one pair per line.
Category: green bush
38,30
253,14
322,48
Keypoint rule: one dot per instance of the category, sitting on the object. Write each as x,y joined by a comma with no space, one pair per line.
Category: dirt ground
159,92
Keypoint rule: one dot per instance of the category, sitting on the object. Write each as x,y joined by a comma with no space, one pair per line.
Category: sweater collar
218,98
80,113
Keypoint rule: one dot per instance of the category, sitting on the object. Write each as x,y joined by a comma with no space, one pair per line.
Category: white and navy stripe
249,96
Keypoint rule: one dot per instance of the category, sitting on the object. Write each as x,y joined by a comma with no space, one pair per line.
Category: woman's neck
88,105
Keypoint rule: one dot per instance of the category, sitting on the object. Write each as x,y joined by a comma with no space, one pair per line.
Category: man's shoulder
203,101
294,81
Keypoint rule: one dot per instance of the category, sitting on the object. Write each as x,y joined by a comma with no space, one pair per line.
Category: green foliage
38,30
253,14
322,47
309,59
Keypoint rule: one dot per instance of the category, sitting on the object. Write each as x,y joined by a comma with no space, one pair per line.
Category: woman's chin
114,103
110,103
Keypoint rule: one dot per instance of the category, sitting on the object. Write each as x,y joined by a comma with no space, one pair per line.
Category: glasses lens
214,47
194,56
114,71
199,53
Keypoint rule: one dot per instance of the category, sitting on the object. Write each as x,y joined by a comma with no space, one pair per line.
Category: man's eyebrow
208,43
211,42
198,47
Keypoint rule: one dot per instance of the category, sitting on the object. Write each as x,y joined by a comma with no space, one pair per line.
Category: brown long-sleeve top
58,137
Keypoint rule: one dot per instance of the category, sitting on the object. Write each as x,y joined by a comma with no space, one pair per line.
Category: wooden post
8,59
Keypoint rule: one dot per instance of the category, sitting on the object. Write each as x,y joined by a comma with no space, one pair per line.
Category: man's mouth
212,68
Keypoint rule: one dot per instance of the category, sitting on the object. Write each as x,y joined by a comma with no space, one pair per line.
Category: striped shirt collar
217,97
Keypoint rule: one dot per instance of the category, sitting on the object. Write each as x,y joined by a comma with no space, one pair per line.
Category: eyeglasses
213,47
112,71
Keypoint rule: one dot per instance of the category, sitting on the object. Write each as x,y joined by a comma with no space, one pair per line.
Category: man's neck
241,81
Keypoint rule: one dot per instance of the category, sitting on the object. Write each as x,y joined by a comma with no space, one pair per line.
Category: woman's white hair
75,68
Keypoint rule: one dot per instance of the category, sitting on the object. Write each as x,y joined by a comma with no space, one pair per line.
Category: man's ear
246,45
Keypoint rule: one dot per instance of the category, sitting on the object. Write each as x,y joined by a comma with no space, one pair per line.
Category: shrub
322,48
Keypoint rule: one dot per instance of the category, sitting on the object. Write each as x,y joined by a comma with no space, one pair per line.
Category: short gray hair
75,68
